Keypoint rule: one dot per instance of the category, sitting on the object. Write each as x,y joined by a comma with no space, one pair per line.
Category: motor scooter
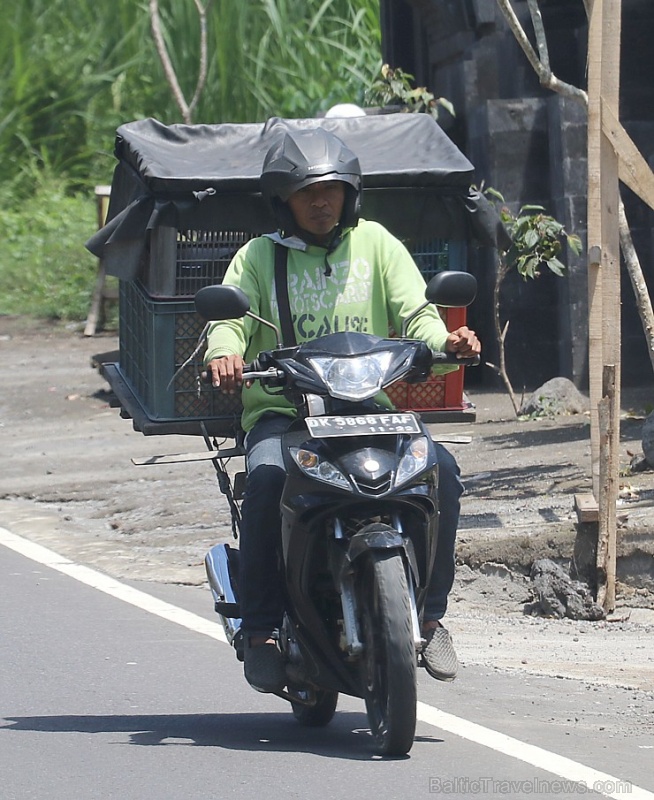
359,515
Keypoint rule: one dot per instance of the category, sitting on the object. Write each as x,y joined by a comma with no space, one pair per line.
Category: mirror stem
412,315
265,322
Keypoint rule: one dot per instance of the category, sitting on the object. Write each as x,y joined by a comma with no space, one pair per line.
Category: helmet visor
286,191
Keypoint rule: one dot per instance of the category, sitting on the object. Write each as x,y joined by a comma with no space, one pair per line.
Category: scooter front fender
378,536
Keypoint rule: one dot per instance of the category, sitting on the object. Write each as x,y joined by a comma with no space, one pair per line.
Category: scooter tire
389,663
319,714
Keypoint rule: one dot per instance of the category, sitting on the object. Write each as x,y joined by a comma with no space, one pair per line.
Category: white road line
104,583
564,768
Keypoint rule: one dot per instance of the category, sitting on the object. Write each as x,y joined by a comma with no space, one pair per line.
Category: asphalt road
107,692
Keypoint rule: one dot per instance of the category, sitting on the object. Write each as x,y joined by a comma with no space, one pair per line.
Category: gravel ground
69,484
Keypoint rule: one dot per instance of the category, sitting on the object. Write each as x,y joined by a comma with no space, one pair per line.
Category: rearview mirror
449,289
452,289
215,303
221,302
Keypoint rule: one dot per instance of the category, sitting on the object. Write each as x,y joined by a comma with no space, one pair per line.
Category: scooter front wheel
389,659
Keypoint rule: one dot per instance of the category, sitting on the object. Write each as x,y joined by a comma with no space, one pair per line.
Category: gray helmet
300,158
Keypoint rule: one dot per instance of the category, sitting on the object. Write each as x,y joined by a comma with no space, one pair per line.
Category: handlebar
252,373
451,358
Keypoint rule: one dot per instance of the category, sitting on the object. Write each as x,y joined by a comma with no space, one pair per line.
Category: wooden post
606,551
604,281
99,293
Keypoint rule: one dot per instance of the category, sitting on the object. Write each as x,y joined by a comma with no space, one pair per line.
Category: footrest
230,610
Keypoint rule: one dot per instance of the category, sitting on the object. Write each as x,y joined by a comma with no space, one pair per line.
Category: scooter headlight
413,461
311,464
355,378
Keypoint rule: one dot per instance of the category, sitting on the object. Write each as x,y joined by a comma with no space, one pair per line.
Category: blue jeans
260,587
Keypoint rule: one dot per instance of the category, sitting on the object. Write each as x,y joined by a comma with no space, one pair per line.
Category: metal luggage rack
225,427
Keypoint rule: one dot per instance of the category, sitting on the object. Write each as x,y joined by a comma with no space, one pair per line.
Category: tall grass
320,58
59,63
71,71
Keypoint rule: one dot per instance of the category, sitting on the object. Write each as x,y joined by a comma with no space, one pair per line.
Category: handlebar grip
452,358
251,372
205,375
474,361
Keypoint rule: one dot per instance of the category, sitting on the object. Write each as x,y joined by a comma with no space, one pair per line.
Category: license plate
363,425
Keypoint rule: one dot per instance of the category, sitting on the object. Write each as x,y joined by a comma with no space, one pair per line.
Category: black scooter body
326,530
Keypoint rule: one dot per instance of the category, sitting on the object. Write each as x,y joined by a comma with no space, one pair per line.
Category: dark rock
556,396
639,463
557,595
648,439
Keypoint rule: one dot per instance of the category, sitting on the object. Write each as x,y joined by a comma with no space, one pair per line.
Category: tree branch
501,271
202,72
547,79
632,262
539,30
185,108
518,31
169,70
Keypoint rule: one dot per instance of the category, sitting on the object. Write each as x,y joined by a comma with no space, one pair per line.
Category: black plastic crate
182,262
436,255
156,338
159,333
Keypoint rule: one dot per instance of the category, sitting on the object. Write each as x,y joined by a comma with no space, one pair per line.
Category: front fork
376,536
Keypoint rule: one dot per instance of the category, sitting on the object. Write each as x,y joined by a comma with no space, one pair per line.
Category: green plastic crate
156,337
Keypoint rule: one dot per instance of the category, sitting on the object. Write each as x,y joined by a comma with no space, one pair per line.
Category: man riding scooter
343,273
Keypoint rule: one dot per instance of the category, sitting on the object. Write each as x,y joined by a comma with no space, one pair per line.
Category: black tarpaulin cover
207,177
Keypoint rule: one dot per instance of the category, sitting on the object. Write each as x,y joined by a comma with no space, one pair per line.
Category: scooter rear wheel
319,714
389,659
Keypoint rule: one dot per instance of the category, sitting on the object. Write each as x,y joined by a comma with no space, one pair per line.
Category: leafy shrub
395,87
44,269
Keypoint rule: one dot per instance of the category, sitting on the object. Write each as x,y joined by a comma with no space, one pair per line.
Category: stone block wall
531,145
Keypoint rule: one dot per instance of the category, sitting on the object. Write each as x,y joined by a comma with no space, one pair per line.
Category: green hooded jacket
368,283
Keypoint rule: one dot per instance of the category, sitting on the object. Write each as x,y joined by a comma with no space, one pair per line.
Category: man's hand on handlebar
226,373
463,342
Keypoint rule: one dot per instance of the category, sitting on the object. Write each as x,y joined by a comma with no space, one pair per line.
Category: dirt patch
70,485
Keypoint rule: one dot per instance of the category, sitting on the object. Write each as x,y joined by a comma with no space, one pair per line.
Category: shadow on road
540,436
347,737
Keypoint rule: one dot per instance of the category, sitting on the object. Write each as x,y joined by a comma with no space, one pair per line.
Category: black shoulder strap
281,288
